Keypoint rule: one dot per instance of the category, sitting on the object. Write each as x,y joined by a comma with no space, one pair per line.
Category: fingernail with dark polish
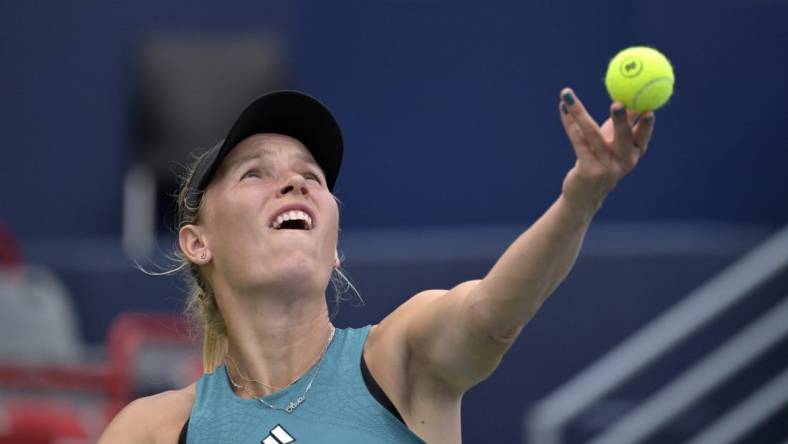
564,108
648,120
568,98
619,111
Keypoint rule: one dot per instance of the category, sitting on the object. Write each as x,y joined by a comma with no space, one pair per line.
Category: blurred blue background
450,116
449,108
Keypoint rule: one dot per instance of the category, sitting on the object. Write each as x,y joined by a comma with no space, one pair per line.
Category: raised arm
462,334
539,260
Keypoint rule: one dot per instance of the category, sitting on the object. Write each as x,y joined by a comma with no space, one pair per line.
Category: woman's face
264,177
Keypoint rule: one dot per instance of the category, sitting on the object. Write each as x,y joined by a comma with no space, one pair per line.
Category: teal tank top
338,408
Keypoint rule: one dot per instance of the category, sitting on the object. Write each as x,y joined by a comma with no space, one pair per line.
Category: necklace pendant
298,401
294,404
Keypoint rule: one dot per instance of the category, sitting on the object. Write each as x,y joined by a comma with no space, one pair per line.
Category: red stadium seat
43,401
150,353
10,256
44,421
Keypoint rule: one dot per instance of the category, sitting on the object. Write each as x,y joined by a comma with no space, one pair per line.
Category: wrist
583,210
584,195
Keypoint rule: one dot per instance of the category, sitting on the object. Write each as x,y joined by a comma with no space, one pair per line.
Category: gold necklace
296,402
238,370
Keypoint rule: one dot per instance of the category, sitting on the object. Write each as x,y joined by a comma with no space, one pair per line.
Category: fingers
629,143
643,131
582,118
575,134
623,138
624,143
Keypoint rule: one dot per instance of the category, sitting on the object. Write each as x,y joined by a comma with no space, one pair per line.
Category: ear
192,243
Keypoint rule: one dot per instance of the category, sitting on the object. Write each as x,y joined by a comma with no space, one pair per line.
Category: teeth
292,215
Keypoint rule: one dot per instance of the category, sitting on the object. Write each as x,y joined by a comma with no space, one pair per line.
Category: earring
336,259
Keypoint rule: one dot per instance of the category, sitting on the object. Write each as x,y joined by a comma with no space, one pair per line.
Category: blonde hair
201,306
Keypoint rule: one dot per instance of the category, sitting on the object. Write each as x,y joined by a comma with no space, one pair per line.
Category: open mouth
292,220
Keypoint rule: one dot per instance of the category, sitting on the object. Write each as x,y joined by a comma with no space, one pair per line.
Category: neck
273,338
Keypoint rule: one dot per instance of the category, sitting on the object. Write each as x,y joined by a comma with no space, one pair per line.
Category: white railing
545,422
710,372
740,420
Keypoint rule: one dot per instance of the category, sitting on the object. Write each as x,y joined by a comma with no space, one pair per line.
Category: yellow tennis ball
641,78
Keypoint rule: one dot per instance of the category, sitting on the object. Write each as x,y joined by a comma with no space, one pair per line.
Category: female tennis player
258,232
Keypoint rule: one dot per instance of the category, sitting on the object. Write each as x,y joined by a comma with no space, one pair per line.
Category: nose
295,183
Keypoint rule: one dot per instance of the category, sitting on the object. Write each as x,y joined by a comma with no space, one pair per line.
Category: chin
298,269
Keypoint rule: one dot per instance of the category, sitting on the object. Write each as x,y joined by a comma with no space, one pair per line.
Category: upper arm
152,419
446,338
130,425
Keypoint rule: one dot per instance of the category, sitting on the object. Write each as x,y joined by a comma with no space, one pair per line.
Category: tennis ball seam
646,86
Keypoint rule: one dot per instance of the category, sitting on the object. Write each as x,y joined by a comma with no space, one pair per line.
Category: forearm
531,268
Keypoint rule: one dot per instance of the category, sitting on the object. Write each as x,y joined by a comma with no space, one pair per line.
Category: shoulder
437,341
153,419
387,350
423,309
391,332
394,328
413,306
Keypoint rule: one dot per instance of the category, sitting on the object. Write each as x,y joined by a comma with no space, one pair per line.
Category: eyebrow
303,157
306,159
247,158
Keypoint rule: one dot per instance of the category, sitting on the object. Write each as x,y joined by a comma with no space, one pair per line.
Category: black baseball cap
291,113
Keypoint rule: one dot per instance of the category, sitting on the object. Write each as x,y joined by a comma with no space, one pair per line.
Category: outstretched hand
604,155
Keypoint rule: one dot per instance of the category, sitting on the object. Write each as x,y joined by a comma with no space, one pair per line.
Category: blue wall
449,109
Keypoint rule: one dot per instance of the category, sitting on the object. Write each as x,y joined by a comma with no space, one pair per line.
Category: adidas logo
278,435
